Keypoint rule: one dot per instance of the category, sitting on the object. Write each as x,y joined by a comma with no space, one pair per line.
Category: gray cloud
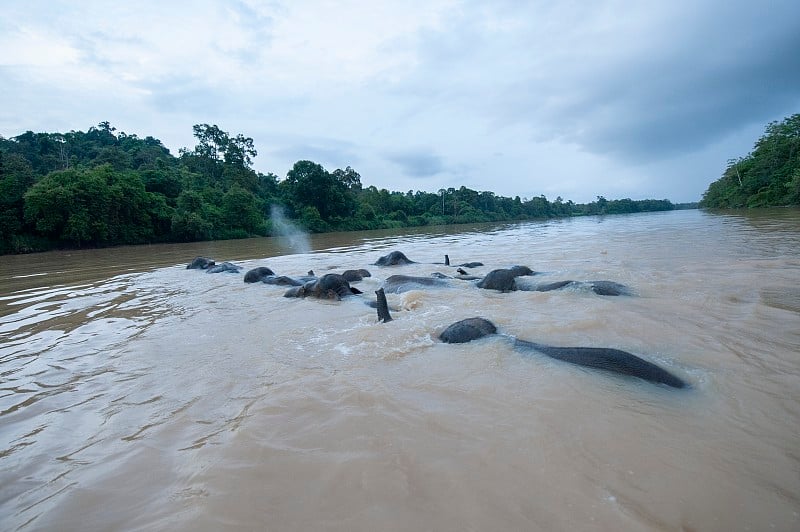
330,153
657,107
417,163
182,95
614,98
664,86
258,27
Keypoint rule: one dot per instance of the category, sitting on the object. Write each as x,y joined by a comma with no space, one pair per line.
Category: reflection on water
137,394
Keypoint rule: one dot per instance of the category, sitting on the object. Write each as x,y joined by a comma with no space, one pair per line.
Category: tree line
103,187
768,176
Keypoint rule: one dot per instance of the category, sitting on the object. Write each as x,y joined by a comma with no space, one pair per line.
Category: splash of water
289,235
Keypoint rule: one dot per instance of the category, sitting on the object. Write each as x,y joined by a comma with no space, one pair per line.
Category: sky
578,99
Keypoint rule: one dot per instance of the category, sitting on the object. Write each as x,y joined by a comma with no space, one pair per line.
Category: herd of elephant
337,286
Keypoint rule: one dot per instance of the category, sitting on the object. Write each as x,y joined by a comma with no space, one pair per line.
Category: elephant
464,265
467,330
329,286
602,288
282,280
397,284
225,267
200,263
504,279
257,275
265,275
607,359
395,258
609,288
352,276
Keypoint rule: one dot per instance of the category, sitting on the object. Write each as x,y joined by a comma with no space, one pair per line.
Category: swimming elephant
256,275
397,284
613,360
395,258
467,330
352,276
200,263
464,265
225,267
504,279
602,288
609,288
329,286
282,280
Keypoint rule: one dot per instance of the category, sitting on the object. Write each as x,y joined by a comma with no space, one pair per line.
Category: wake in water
291,237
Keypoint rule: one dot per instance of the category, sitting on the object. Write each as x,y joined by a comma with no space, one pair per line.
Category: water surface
136,394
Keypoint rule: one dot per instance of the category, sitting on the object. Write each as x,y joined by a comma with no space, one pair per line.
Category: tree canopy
768,176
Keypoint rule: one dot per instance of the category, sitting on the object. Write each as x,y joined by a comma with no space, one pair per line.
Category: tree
194,218
308,184
349,178
16,176
70,206
212,141
765,176
239,151
240,211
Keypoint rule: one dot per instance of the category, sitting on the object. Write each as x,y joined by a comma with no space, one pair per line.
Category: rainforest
104,187
769,176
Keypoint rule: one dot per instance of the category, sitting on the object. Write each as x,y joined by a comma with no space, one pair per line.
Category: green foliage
768,176
312,221
240,212
105,187
194,218
308,184
16,175
96,206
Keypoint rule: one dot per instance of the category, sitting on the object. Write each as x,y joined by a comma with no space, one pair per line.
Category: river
138,395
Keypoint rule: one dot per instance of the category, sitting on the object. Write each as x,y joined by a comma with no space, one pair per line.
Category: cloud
330,153
418,163
613,98
638,82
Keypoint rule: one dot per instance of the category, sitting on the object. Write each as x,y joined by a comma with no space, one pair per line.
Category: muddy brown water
138,395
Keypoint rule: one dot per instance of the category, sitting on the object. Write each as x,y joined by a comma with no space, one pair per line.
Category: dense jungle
104,187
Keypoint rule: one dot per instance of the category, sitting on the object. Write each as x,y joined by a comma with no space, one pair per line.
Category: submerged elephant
352,276
463,265
262,274
613,360
256,275
200,263
225,267
397,284
504,279
394,258
329,286
602,288
283,280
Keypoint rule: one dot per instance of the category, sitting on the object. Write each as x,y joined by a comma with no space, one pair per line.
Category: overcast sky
639,99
